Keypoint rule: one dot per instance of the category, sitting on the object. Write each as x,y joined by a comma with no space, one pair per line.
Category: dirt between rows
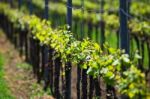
20,81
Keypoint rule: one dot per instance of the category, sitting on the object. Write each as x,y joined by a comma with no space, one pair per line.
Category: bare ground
21,82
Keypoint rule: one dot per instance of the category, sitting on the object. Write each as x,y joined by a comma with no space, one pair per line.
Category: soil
19,80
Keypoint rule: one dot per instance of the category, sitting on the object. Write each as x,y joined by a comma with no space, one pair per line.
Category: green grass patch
38,91
4,90
24,66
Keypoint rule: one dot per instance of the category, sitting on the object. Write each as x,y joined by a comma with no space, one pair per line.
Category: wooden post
102,24
68,64
69,13
46,53
82,23
19,3
46,9
124,35
30,6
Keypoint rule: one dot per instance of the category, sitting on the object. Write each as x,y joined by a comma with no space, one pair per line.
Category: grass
24,66
4,90
21,73
37,89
